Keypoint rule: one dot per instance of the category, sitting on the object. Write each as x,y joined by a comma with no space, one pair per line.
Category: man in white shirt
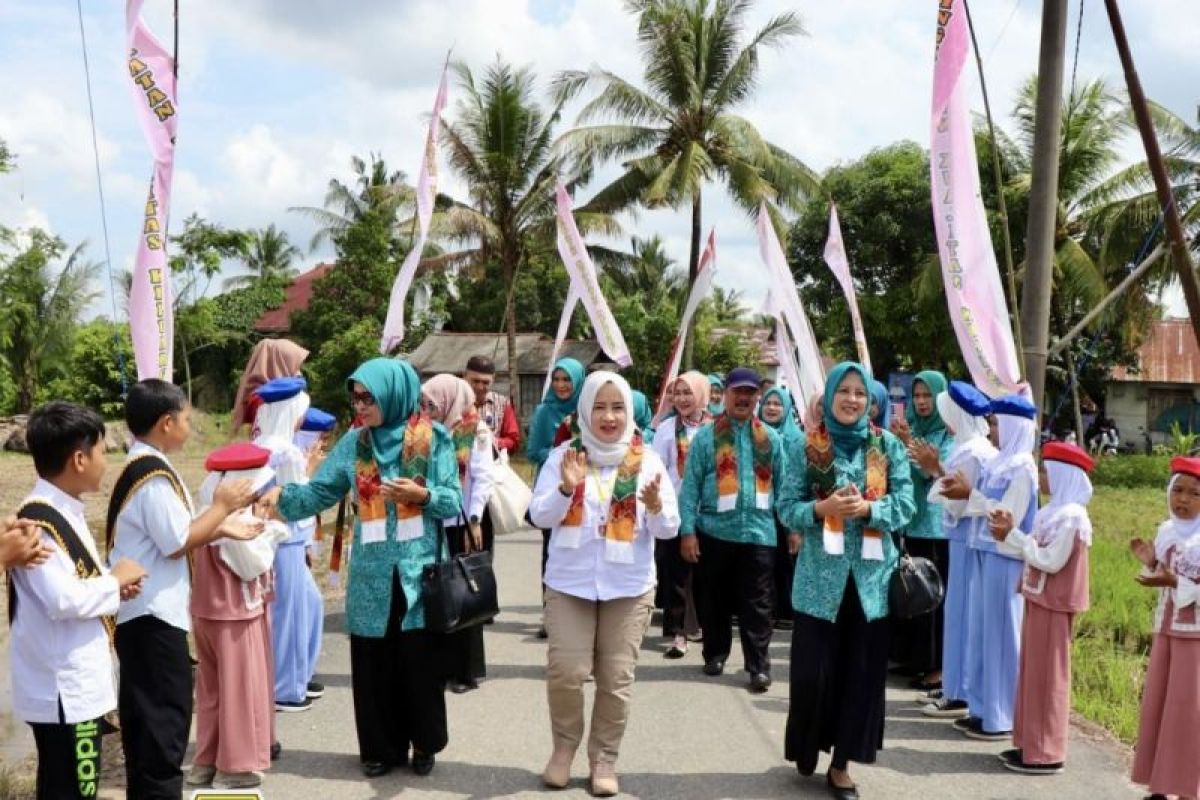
150,520
61,610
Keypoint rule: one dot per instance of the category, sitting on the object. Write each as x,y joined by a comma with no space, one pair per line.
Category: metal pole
1043,201
1090,317
1162,184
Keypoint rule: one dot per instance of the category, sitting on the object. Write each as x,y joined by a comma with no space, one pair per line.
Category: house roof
1168,355
448,352
296,298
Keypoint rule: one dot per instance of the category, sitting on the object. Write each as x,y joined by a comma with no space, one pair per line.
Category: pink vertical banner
974,293
582,273
839,263
152,80
564,324
705,272
393,326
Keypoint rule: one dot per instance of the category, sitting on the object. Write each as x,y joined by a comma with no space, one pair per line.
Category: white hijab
970,433
1070,491
1175,530
604,454
276,425
1018,437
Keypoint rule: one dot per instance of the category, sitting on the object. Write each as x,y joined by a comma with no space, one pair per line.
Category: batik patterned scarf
727,466
822,479
682,443
464,435
372,508
621,528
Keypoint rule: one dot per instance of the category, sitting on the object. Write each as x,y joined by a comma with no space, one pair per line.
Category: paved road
689,737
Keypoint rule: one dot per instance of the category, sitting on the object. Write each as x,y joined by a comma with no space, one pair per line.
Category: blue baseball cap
741,378
1014,405
969,399
317,420
281,389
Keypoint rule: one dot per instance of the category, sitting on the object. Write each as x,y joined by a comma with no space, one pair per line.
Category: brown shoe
604,779
557,773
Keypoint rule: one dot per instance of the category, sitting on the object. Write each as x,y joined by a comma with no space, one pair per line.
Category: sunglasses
361,399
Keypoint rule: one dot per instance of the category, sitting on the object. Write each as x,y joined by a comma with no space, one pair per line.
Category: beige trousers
598,638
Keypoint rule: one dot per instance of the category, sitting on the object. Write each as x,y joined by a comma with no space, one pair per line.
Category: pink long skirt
235,694
1042,717
1166,758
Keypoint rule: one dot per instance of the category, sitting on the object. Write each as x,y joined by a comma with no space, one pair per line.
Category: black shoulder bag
460,591
916,587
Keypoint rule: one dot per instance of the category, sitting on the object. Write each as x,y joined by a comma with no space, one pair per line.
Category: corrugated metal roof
448,352
296,298
1169,355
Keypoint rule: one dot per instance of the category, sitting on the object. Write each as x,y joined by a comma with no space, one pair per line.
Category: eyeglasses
361,399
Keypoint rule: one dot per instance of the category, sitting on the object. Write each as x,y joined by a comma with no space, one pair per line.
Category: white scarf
276,424
1175,530
1070,491
970,434
604,454
1018,437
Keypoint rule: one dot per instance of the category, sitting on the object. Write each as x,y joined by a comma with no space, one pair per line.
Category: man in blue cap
727,507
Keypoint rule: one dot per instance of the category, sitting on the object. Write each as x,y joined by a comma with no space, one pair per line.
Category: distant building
297,296
1164,388
448,352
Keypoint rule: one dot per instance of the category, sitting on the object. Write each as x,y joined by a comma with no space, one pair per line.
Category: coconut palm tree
648,270
268,256
373,187
681,132
500,144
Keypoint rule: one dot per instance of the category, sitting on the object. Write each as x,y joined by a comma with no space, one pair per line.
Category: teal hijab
716,380
786,427
641,412
925,427
397,391
879,396
847,439
561,408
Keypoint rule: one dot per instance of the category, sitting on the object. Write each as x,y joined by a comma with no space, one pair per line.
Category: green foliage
722,351
268,255
541,290
1112,638
884,207
338,357
1180,442
8,159
93,371
1132,471
197,253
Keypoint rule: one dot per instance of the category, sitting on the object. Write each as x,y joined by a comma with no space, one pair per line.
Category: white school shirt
480,479
154,524
664,446
59,649
583,571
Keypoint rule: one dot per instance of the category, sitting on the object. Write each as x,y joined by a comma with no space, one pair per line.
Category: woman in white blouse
606,498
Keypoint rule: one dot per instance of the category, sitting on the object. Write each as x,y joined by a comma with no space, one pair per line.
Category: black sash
51,520
135,475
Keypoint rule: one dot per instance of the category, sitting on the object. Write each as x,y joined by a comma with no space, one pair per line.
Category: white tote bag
510,497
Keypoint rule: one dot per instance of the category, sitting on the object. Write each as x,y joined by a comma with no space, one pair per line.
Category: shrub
1132,471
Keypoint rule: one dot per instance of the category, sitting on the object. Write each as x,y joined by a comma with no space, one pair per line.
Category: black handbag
458,592
916,587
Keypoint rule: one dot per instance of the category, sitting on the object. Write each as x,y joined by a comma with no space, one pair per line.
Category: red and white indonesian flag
783,302
152,79
974,292
839,262
393,326
585,283
705,272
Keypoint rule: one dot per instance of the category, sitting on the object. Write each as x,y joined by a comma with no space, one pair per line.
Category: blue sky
276,95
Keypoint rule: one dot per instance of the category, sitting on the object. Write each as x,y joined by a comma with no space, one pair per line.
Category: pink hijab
452,395
270,359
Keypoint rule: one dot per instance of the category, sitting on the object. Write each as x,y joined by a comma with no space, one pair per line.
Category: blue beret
281,389
969,399
317,420
1014,405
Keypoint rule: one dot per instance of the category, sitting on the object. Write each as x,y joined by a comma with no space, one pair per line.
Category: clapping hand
1161,578
955,487
1143,551
902,430
925,456
574,470
1000,523
232,495
240,527
650,497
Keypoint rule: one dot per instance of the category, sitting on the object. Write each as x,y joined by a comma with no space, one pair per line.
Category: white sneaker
237,780
201,774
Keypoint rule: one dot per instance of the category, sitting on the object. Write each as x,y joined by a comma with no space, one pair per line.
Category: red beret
237,456
1186,466
1068,453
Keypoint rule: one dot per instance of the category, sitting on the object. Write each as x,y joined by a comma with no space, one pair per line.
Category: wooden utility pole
1043,202
1180,255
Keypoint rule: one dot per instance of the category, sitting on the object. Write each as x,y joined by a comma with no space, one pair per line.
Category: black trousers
155,703
465,657
68,758
736,578
675,587
838,685
917,642
785,570
399,689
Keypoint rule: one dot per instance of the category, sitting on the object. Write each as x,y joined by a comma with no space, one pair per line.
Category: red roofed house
1165,388
296,298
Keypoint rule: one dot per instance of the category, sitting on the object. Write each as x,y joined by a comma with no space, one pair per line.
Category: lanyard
604,487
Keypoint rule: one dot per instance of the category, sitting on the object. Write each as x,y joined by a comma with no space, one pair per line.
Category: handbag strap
444,538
